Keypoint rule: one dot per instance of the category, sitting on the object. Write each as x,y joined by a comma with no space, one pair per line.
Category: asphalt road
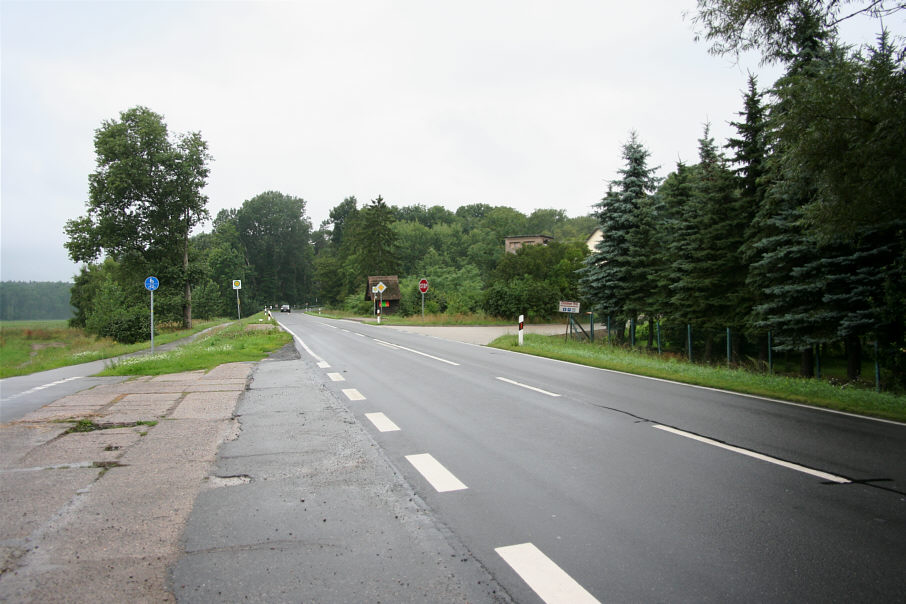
575,484
21,394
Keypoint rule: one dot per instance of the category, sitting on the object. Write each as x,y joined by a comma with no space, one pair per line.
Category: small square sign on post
569,307
237,285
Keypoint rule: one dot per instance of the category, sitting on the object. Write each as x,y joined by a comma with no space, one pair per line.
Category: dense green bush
130,326
355,304
112,316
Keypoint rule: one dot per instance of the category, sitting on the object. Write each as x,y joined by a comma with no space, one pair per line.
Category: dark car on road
285,308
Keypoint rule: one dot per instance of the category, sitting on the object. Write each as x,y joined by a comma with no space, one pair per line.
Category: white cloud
517,103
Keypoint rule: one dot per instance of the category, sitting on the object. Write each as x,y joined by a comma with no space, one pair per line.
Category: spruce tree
784,268
750,156
674,232
609,278
710,274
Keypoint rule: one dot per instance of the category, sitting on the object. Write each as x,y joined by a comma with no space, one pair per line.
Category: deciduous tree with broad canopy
145,196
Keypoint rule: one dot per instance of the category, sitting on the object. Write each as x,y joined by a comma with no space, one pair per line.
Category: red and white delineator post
521,328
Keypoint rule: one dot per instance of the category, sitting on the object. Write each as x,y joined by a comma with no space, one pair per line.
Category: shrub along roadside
246,340
799,390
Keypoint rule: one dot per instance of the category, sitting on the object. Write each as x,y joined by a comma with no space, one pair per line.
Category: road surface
575,484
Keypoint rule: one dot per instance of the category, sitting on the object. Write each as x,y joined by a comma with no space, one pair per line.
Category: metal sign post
380,287
423,288
570,308
152,283
237,285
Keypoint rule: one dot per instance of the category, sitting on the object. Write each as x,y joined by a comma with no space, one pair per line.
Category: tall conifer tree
609,279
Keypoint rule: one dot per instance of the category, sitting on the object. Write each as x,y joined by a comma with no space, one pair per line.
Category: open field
850,398
32,346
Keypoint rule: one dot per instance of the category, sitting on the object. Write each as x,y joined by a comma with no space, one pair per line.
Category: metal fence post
728,348
659,337
689,339
770,355
877,369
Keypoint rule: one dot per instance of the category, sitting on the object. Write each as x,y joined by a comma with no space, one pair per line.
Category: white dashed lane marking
546,579
382,422
413,351
440,477
336,377
353,394
503,379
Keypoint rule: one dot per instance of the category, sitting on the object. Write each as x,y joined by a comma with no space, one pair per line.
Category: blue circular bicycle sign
151,283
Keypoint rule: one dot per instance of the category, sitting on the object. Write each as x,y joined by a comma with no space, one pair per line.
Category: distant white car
285,308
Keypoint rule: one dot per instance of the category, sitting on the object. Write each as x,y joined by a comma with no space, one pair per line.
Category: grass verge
807,391
31,346
246,340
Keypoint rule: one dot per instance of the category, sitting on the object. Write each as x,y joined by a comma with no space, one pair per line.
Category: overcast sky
522,103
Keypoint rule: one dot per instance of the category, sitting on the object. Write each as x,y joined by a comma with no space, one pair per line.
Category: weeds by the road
808,391
31,346
248,340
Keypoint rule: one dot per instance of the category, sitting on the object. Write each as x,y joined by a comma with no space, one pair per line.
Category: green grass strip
241,341
818,393
30,346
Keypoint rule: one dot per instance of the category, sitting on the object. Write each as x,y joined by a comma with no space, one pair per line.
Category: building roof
393,287
529,237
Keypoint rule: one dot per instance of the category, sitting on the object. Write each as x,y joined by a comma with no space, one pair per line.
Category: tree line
34,300
793,231
145,197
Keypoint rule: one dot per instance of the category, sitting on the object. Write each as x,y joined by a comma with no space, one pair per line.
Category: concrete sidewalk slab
107,528
98,446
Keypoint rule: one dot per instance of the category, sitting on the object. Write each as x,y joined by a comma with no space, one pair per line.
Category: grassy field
246,340
31,346
820,393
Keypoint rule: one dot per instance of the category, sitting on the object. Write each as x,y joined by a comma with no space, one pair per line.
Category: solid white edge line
549,581
440,477
43,387
353,394
503,379
382,422
336,377
744,394
299,340
760,456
